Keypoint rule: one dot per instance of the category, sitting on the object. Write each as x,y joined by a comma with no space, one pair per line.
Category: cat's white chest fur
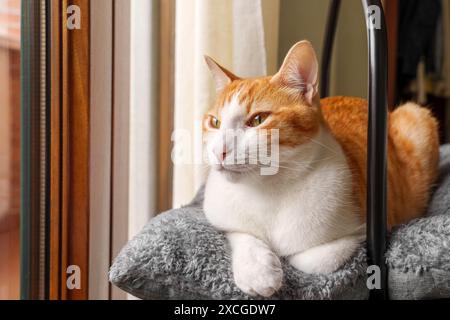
291,211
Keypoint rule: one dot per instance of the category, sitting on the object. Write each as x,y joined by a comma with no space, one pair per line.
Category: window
9,148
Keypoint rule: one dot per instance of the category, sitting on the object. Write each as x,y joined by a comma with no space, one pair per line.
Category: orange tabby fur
413,153
412,143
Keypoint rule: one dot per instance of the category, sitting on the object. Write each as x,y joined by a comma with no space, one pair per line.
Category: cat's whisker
323,145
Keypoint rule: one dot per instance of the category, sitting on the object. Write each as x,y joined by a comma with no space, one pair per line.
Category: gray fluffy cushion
419,253
178,255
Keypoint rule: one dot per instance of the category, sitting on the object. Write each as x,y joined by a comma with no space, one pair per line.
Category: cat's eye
214,122
257,120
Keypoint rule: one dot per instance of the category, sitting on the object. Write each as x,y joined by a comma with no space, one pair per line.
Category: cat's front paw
258,273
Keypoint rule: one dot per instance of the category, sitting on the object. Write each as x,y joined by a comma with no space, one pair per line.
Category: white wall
271,14
101,148
306,19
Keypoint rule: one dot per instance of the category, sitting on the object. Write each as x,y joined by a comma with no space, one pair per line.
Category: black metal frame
377,130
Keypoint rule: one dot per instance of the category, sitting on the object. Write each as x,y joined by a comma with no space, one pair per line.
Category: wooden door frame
68,229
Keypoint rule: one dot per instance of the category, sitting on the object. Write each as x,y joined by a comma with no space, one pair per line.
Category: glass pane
9,148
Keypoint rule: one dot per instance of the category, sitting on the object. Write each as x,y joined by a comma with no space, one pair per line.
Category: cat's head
286,105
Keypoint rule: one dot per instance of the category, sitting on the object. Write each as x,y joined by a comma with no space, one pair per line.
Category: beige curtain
243,36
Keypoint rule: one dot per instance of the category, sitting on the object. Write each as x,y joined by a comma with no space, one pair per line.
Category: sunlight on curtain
232,32
143,114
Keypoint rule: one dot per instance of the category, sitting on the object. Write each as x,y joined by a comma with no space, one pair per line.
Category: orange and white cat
313,210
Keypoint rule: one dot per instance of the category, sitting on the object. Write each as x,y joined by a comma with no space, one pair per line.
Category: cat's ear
299,71
221,76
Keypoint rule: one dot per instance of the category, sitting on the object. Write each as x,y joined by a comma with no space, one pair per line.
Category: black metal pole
377,141
327,53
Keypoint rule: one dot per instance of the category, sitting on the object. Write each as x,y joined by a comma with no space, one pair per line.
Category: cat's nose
222,155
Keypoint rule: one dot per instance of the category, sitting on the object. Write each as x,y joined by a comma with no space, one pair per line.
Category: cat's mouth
245,166
234,173
236,168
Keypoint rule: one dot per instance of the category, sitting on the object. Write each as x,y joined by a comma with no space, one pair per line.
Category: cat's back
413,152
347,119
